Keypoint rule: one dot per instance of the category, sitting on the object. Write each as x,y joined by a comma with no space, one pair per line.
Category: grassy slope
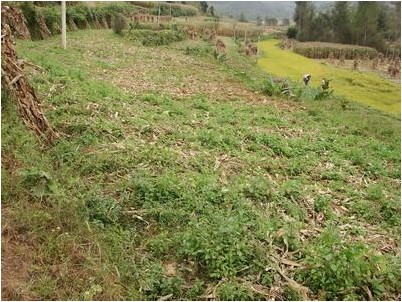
185,193
362,87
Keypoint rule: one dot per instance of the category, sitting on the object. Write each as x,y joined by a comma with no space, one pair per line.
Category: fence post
63,25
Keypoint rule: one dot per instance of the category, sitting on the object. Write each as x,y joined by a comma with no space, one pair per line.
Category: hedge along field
365,88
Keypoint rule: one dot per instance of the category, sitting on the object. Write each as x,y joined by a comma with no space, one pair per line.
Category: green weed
339,269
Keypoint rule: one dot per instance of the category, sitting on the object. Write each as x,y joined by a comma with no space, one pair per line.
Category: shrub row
157,38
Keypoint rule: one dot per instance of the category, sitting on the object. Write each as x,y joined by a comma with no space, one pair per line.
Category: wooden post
159,13
63,25
234,31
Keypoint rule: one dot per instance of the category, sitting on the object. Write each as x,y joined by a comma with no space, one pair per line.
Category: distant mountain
270,9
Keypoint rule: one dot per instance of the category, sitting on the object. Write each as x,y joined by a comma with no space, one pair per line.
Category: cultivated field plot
319,50
175,178
363,87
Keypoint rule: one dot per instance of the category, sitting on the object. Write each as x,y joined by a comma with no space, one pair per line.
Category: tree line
367,23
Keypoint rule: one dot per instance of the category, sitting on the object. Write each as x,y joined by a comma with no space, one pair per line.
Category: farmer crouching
306,79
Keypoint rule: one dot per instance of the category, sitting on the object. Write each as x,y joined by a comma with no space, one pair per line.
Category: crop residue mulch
181,77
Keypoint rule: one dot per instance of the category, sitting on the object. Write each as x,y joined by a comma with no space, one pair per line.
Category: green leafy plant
285,88
40,183
156,285
219,244
339,269
259,189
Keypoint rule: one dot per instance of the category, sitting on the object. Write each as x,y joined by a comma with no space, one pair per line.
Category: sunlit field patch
362,87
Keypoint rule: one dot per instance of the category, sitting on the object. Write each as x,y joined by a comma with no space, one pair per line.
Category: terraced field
176,179
362,87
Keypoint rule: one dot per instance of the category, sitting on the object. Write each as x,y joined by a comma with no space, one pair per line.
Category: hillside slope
176,179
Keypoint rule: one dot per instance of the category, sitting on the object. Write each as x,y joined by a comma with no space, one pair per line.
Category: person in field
325,84
306,79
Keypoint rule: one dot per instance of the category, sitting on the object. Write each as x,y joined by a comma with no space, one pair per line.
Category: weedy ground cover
362,87
177,178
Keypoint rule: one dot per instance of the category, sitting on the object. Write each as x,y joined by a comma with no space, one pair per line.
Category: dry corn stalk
16,83
15,19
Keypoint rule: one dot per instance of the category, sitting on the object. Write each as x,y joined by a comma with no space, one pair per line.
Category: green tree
320,29
204,6
394,22
341,22
211,11
303,16
366,24
382,24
